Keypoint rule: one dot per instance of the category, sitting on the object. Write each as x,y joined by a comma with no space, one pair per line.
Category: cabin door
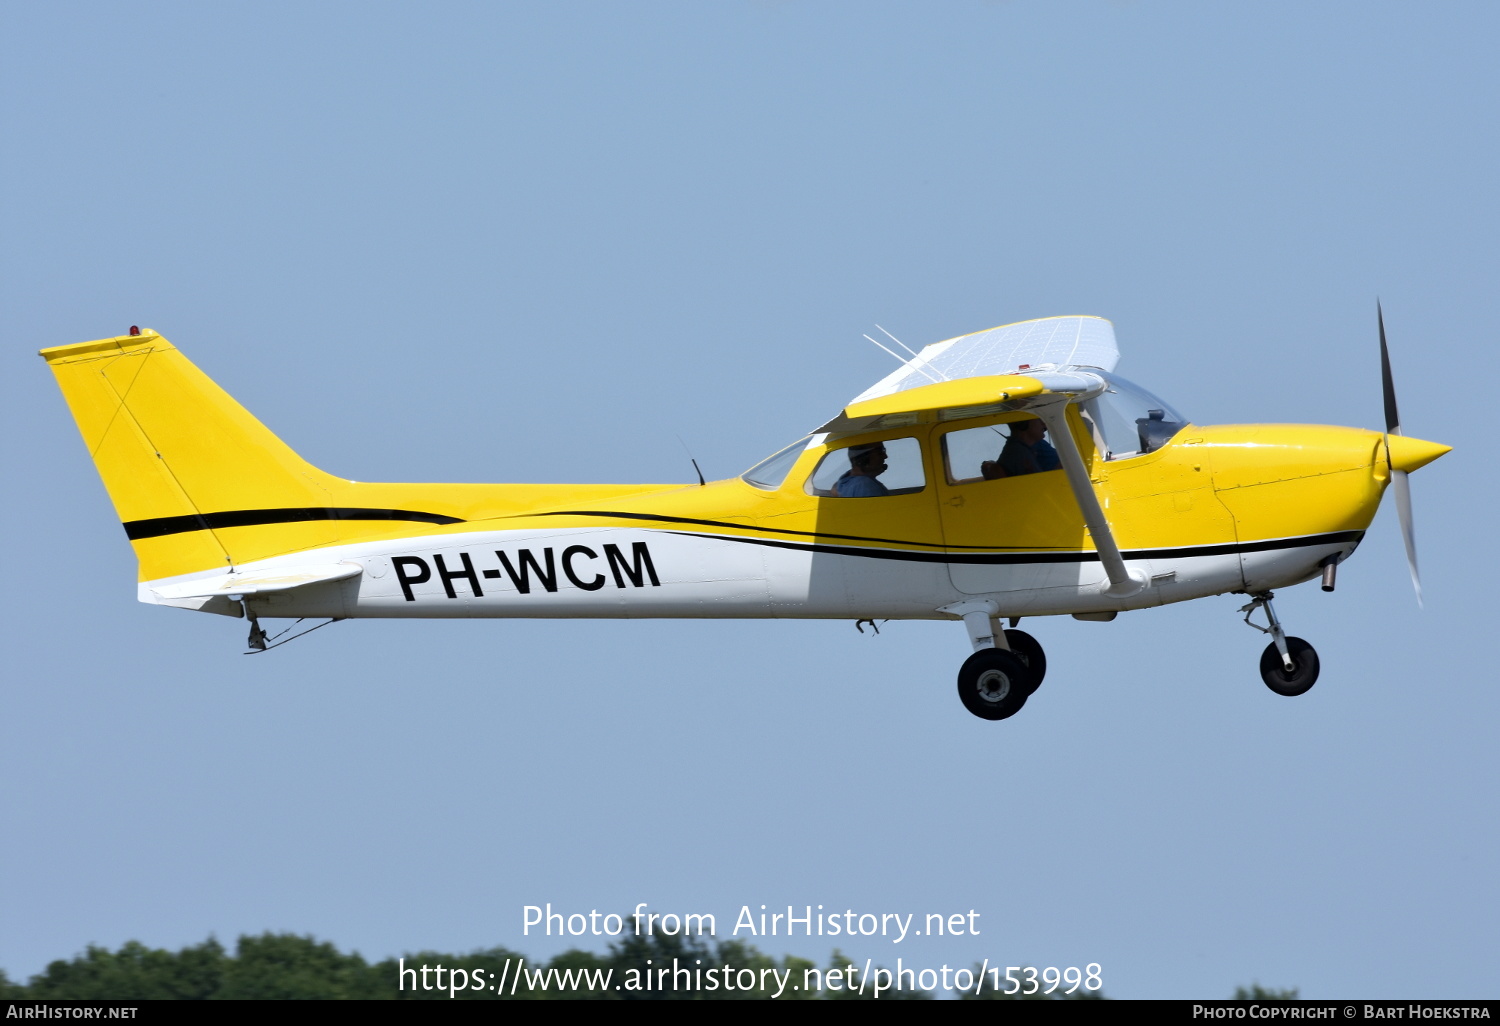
1011,533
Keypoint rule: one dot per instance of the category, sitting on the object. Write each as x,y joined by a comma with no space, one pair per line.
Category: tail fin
191,473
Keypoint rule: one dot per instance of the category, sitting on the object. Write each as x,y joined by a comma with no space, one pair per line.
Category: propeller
1398,477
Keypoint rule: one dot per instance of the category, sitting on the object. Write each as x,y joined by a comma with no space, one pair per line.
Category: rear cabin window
870,470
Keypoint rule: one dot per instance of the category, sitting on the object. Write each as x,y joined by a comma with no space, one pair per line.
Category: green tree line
287,966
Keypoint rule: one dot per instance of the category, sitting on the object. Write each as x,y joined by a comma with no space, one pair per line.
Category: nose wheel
1300,678
1289,666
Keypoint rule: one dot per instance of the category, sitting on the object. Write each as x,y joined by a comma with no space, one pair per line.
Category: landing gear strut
1289,666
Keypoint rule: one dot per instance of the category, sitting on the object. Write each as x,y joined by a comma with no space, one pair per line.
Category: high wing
1051,343
1012,367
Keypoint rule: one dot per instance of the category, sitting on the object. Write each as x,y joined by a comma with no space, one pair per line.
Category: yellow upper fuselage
1209,486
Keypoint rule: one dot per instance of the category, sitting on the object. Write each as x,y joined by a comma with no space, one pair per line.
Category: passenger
1026,451
866,464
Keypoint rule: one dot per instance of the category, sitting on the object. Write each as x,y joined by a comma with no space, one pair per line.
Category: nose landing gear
1289,666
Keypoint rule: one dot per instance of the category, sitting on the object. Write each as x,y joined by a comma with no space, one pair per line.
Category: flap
256,582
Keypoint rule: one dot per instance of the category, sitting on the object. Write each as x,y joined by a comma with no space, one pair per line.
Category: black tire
1029,650
1304,672
993,684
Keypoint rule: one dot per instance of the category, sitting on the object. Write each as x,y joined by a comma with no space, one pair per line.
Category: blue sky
540,242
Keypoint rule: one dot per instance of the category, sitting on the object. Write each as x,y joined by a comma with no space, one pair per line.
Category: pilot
1026,451
866,464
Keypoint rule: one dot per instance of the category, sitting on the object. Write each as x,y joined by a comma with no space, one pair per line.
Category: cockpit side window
870,470
999,450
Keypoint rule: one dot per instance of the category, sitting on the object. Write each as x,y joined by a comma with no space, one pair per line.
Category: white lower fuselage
613,572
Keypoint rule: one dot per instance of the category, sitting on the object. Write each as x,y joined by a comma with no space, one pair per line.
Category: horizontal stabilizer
256,582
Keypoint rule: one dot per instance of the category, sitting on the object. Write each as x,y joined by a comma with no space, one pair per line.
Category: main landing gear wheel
1304,672
1029,650
993,684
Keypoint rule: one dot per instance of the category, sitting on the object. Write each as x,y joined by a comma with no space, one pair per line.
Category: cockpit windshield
1130,420
770,472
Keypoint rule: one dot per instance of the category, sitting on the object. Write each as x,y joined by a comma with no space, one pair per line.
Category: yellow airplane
1001,474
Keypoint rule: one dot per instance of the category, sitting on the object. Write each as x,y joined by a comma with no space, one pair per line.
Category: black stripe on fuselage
954,553
159,526
663,519
1080,556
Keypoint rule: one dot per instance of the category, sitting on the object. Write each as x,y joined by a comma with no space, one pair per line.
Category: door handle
956,501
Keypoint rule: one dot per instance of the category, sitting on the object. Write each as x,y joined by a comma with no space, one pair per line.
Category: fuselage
931,495
1213,510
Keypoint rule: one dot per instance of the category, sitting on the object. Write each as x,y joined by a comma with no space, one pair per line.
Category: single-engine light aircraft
1003,474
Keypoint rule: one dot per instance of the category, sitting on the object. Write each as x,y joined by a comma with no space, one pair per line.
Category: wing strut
1123,582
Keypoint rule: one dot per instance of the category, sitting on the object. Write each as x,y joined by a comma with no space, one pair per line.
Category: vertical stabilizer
182,460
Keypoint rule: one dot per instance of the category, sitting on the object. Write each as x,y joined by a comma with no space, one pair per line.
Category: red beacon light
1024,366
134,330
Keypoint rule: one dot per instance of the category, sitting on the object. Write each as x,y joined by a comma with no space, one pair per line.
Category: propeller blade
1388,384
1398,477
1408,531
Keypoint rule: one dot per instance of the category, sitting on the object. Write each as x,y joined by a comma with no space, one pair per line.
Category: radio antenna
898,342
690,458
920,370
